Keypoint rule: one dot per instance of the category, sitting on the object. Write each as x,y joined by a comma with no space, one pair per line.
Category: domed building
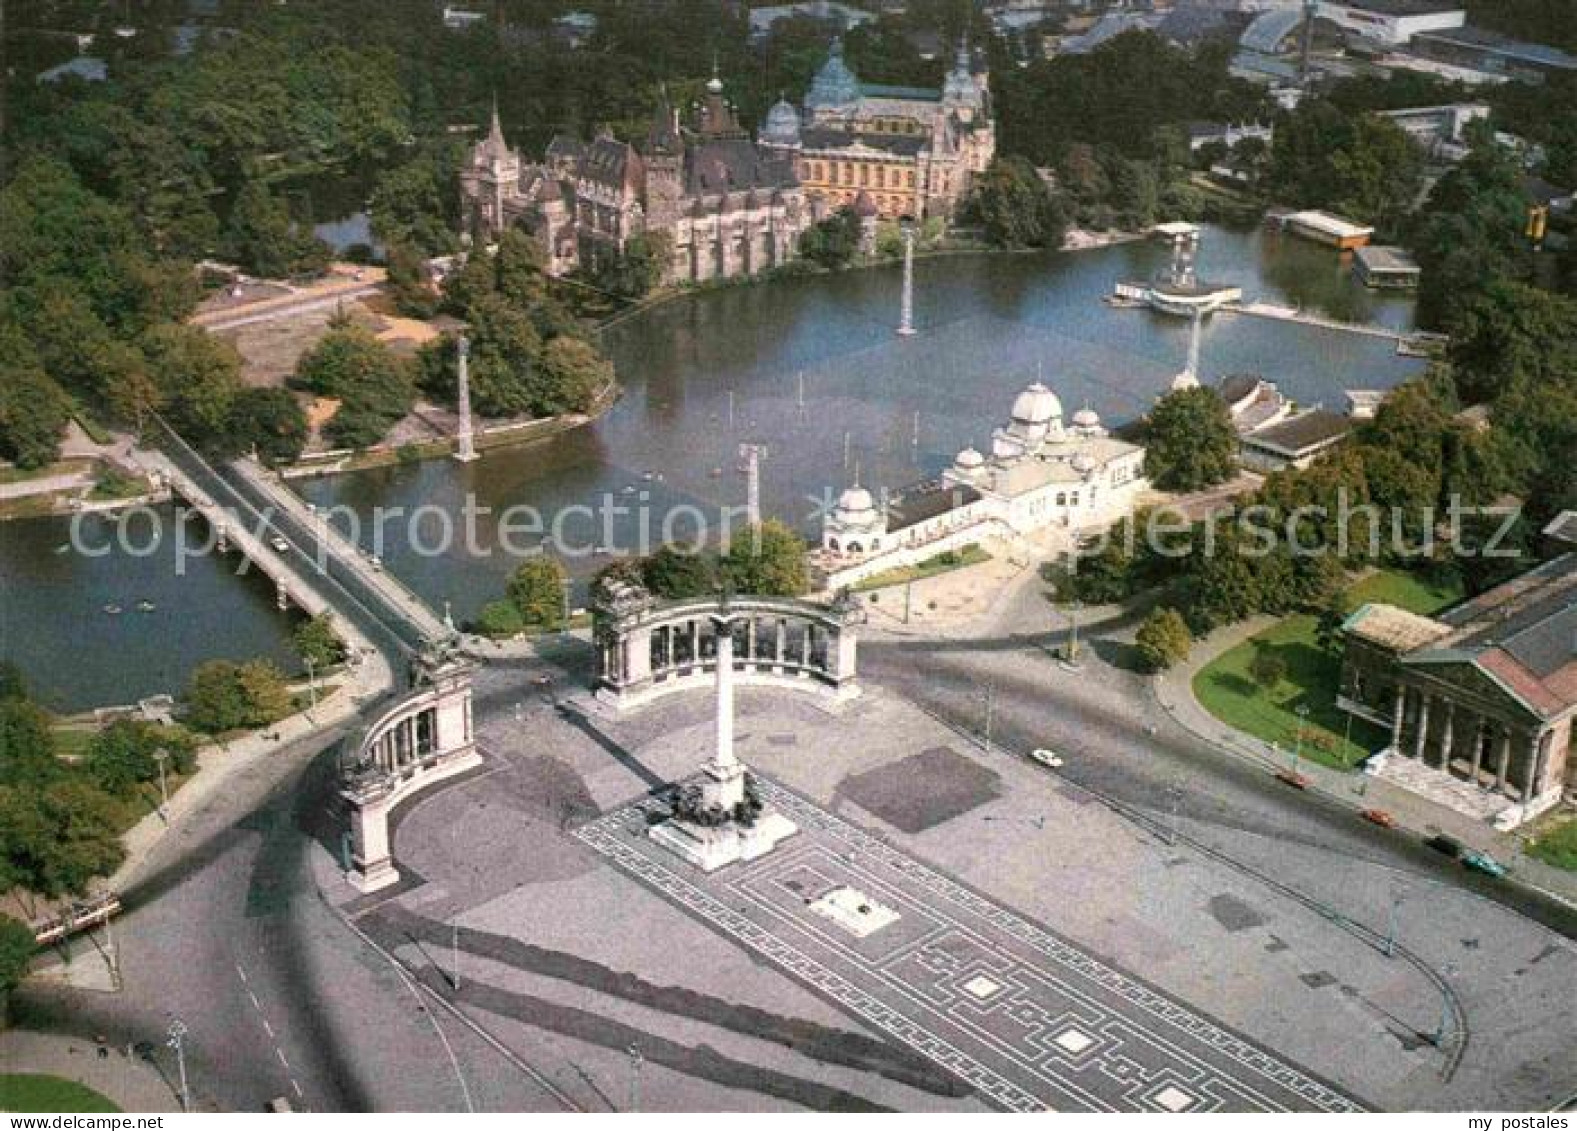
914,150
1044,480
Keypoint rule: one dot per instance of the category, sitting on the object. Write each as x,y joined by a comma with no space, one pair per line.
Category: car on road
1294,779
279,544
1445,845
1378,817
1046,757
1483,862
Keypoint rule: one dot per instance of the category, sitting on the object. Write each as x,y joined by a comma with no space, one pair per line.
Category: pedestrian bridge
647,647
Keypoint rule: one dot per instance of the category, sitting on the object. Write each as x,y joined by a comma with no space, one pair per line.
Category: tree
13,684
1471,234
537,592
27,743
635,272
1015,207
198,377
16,952
33,414
55,839
225,696
413,206
833,242
1163,640
270,421
767,560
676,574
504,349
264,240
500,619
408,284
1267,669
1190,442
571,375
316,642
520,268
374,387
124,754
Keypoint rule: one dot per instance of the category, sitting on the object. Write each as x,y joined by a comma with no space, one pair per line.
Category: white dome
1083,463
855,501
970,460
1037,405
1086,417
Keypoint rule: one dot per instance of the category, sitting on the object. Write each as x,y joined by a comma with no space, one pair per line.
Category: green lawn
49,1093
944,562
1227,691
1557,846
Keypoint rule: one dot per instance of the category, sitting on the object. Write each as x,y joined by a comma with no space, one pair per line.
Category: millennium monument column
718,817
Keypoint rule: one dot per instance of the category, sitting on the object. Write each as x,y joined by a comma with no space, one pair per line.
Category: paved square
1061,1029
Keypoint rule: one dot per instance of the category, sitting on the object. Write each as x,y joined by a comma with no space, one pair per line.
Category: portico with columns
1485,694
647,647
423,739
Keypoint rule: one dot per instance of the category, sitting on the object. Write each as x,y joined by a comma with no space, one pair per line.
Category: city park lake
809,367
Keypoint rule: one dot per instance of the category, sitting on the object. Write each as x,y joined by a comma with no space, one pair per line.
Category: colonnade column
1422,737
1446,737
1478,750
1504,761
1400,716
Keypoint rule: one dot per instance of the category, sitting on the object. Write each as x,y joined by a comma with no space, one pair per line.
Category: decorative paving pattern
1026,1018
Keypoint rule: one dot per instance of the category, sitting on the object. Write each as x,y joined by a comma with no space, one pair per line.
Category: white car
1047,757
279,544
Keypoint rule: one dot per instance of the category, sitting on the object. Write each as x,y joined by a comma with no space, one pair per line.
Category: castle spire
495,129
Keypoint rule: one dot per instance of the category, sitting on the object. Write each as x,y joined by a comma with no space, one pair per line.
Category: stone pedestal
711,847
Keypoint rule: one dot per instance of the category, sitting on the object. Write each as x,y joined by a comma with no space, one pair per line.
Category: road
1118,742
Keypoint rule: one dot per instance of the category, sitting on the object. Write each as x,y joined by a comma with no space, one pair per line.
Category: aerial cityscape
946,556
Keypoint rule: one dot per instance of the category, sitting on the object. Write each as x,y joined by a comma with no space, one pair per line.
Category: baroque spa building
1043,477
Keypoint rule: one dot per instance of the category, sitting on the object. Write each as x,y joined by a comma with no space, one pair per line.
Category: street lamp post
177,1033
989,697
1174,796
1446,972
906,311
1297,741
161,756
312,683
1391,923
636,1060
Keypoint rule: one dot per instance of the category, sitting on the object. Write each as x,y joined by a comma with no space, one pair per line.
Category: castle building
915,151
1042,475
723,205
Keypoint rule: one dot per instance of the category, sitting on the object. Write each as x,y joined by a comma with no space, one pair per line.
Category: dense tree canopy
1015,208
1190,442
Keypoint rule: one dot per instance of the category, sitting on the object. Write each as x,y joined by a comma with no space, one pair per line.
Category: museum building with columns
1485,692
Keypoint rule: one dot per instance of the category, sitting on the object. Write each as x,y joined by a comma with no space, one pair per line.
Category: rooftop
928,500
1495,43
1381,258
1301,435
1532,617
1327,222
1393,628
1404,7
